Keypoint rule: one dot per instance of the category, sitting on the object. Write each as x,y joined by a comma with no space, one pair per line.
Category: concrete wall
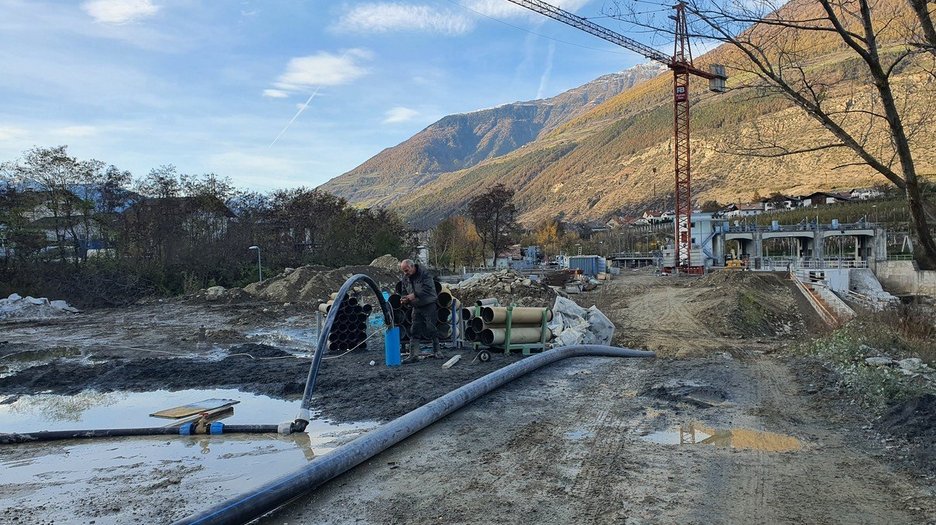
902,277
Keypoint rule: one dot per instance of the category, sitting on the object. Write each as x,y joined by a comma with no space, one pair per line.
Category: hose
186,429
251,505
305,410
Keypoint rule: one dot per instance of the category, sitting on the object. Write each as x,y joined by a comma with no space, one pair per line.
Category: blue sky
209,86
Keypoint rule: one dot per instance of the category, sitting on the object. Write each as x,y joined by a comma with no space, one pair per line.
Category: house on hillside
821,198
863,194
743,210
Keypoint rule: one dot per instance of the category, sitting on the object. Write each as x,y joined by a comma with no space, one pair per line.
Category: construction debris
26,308
508,286
574,325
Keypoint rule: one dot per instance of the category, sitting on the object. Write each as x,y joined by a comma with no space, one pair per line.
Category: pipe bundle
490,326
402,312
350,327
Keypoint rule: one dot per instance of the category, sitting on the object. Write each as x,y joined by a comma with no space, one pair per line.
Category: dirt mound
314,283
508,286
749,304
387,262
915,421
256,350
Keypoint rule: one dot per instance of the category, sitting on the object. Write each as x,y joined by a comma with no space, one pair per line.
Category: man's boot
436,351
413,352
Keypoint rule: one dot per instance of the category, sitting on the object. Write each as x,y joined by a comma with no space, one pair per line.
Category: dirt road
586,441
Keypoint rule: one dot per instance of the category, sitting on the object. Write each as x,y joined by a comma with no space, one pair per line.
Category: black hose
305,410
251,505
186,429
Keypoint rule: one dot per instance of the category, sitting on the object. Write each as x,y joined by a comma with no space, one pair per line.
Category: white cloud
502,9
275,93
119,11
400,114
12,133
386,17
322,69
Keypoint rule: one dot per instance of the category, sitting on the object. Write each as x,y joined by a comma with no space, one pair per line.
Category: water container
392,346
835,224
775,226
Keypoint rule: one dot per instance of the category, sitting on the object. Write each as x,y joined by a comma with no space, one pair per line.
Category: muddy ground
584,441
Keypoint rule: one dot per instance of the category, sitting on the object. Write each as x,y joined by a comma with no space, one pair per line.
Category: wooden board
194,408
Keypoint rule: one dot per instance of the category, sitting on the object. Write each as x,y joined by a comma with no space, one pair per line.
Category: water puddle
738,438
302,341
63,473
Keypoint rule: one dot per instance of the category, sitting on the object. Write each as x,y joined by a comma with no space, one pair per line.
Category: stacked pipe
403,319
350,328
490,327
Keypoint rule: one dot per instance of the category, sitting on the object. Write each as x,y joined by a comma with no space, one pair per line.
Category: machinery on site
681,64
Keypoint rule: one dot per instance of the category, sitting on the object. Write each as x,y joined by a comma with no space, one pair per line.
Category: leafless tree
777,48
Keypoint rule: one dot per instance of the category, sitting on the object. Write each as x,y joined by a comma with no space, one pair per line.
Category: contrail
301,109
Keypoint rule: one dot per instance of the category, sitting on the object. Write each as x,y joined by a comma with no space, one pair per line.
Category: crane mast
681,64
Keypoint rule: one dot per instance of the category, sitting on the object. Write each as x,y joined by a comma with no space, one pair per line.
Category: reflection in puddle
94,410
739,438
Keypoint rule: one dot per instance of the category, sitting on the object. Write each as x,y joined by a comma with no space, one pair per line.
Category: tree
494,216
455,243
777,51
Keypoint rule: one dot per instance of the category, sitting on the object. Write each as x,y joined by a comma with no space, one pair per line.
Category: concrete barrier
903,278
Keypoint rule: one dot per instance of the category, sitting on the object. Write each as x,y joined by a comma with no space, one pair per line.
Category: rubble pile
508,286
16,307
387,262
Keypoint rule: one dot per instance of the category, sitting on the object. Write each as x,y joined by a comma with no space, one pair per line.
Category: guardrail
745,228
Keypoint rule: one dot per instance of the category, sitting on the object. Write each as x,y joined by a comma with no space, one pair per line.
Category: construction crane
681,64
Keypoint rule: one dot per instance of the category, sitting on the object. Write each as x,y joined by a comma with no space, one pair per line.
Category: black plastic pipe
251,505
186,429
305,410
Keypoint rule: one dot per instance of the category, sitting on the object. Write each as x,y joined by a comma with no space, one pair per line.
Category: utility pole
681,64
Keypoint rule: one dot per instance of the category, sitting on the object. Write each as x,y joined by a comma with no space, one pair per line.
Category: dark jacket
422,286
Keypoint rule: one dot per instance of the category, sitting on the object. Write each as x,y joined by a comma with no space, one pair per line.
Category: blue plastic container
392,346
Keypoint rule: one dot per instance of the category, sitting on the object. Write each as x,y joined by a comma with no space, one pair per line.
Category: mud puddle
737,438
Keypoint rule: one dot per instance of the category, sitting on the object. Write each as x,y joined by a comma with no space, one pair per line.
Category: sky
273,94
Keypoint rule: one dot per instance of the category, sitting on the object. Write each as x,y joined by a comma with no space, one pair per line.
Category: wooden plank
451,362
210,415
194,408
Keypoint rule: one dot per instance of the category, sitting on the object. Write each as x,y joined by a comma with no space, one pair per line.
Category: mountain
617,157
457,142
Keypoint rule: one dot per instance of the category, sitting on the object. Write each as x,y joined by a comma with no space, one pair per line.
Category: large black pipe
254,504
305,410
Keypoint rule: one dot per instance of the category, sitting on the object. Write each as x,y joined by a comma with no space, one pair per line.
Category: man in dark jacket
421,295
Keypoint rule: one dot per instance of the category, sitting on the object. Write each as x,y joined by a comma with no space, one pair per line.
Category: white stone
879,361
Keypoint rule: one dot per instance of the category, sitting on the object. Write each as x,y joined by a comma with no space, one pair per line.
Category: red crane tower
681,64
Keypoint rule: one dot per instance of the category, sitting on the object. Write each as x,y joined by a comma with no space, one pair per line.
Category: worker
421,295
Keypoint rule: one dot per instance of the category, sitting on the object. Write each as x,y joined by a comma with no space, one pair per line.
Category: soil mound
256,351
749,304
508,286
387,262
915,421
314,283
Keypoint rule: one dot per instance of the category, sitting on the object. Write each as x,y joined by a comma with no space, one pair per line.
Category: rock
14,297
879,361
912,364
288,271
214,293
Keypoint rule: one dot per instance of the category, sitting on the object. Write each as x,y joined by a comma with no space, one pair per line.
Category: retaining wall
903,278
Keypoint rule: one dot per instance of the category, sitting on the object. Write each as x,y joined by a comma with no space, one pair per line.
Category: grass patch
899,334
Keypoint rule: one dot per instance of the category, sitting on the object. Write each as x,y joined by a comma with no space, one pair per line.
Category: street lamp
259,268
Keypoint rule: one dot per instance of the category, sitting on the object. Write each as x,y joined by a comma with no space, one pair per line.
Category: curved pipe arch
251,505
305,410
